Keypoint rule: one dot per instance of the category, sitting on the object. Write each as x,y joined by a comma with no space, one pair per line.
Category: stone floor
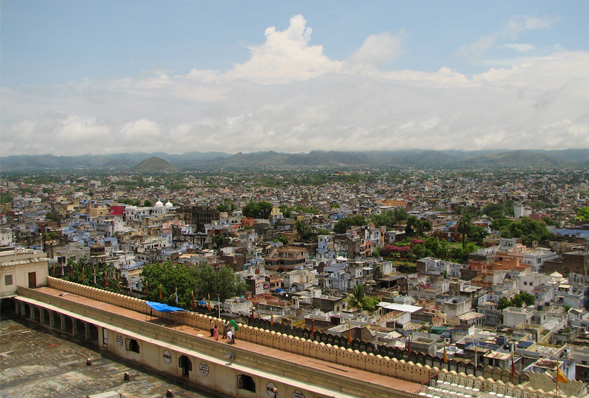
37,363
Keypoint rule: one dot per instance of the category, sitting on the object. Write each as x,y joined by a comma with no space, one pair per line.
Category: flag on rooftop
560,376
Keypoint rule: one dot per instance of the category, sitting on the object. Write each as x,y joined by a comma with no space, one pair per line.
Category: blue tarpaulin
163,307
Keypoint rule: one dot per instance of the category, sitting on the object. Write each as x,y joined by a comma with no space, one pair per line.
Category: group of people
228,332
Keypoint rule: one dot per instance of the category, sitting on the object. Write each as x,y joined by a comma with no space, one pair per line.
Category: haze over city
145,76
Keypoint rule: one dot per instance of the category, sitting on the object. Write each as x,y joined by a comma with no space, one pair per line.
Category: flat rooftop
312,363
37,363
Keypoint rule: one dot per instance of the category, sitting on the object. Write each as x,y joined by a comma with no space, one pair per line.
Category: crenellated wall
489,379
117,299
545,385
391,367
154,339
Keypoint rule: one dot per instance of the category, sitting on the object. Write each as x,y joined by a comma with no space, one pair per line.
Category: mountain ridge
578,157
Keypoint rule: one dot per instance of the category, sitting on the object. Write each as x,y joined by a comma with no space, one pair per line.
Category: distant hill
427,158
154,162
571,155
153,165
115,161
516,159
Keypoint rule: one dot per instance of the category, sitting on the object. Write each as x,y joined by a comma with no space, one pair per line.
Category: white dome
169,204
158,204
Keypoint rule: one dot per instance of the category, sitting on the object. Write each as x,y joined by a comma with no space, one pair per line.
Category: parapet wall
378,364
544,383
117,299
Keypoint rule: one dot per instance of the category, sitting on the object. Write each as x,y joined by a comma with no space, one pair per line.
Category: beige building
21,267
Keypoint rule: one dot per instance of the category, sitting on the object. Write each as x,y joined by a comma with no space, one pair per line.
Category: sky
116,76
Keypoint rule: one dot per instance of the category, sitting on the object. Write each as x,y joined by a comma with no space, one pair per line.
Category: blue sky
128,76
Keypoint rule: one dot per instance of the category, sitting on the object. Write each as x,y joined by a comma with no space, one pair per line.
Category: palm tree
357,297
464,226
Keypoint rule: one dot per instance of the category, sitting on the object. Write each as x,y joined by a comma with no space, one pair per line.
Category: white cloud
520,47
525,23
141,132
285,57
378,49
289,96
508,32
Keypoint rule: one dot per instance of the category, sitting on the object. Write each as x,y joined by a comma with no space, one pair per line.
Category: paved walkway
260,349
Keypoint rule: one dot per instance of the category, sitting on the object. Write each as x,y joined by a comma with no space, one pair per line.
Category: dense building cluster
490,266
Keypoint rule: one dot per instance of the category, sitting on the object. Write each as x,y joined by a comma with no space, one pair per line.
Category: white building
514,316
520,211
6,237
456,306
325,250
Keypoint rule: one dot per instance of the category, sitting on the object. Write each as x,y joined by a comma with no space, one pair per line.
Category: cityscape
294,199
465,269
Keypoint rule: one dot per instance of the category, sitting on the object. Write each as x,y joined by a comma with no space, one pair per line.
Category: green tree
389,218
503,303
226,207
370,303
257,209
499,210
86,274
464,227
304,230
53,216
50,236
419,251
218,241
517,301
417,227
345,223
526,228
223,283
359,299
526,298
170,278
229,284
5,197
285,210
283,239
307,209
478,234
358,293
583,214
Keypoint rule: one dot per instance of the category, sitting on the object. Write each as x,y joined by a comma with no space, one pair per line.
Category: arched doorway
185,364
